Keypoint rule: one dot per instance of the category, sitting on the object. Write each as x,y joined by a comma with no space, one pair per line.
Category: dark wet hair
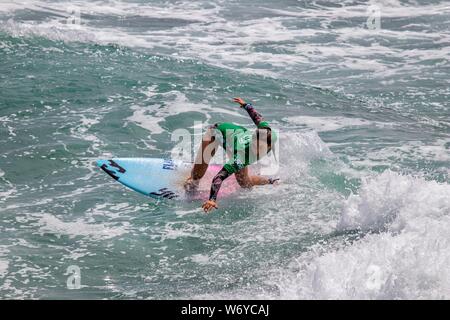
268,137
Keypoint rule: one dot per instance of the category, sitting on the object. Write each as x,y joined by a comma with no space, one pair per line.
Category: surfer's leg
245,180
205,153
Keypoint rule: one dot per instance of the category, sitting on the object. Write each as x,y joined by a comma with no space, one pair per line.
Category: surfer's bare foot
191,185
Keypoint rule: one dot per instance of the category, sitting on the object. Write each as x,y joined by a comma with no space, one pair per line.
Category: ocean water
363,207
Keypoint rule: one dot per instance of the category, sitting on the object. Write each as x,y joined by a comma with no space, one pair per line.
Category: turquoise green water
362,210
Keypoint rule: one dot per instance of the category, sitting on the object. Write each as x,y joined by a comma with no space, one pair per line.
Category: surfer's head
262,142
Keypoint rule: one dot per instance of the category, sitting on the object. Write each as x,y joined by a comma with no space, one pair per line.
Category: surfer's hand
209,205
240,101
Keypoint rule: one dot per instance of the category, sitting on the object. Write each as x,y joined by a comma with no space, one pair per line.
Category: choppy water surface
363,210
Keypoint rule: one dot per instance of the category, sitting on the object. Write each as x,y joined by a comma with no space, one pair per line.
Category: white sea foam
432,151
334,123
200,258
10,192
4,263
6,121
150,117
303,146
407,259
293,152
231,44
82,130
173,230
185,10
3,267
50,224
395,201
389,8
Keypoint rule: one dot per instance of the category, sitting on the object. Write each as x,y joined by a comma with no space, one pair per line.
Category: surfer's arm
260,180
255,115
246,180
217,183
215,187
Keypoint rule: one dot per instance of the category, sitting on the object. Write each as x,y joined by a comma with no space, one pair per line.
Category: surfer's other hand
240,101
209,205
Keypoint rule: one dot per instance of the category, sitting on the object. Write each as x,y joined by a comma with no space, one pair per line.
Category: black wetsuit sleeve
255,115
217,183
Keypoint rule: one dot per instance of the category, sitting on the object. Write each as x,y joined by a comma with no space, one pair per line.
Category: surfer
243,148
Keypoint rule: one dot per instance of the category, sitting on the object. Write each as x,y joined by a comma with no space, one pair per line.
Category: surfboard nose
101,162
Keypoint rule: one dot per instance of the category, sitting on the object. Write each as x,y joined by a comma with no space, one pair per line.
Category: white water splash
408,261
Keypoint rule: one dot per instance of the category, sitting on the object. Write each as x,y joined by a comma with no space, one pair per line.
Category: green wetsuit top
236,140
